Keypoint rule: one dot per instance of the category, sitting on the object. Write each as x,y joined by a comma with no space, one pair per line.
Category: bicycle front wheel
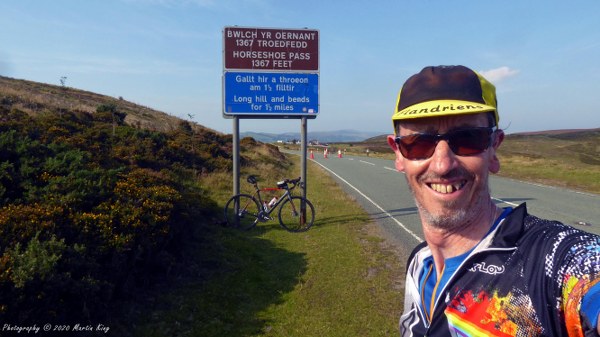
242,211
295,219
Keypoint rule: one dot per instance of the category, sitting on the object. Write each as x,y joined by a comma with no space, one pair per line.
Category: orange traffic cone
312,155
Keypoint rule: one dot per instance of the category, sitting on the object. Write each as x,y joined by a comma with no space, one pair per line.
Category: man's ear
494,161
399,162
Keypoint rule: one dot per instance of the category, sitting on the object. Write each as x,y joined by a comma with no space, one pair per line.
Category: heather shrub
92,209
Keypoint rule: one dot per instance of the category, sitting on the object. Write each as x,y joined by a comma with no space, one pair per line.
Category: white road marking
506,202
374,203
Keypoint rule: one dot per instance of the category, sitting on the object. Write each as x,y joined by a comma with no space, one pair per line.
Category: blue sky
543,56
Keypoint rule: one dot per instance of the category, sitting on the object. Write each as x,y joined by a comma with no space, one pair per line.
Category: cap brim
441,108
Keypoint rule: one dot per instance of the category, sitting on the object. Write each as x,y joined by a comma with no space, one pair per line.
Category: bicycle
296,213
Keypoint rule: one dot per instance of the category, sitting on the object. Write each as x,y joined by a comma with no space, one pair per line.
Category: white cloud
498,74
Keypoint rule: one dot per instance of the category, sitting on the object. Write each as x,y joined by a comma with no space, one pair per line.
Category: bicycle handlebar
281,184
294,182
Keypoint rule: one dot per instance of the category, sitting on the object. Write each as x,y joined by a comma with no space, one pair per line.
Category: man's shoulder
522,228
535,226
556,240
414,252
532,223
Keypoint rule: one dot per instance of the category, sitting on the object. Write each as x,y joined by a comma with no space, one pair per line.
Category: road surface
383,193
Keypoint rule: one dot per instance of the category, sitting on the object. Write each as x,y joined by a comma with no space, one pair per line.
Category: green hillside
37,98
100,198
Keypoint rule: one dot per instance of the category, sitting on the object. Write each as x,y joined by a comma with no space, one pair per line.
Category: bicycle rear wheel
242,211
292,218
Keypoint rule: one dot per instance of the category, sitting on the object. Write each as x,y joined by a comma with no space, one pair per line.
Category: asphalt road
383,193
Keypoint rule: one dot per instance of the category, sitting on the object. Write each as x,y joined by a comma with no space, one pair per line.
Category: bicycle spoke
295,218
242,211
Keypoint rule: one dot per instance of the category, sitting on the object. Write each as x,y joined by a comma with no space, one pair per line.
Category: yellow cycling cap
445,91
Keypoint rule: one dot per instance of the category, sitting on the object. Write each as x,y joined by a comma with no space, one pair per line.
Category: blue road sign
270,94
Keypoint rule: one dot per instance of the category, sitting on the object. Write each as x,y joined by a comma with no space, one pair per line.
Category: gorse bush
91,208
36,261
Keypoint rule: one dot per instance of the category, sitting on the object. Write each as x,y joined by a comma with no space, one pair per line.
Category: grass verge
340,278
552,172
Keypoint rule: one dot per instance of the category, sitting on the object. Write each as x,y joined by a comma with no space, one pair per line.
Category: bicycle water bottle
272,202
265,207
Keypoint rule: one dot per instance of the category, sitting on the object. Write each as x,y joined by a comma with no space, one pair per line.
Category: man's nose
443,159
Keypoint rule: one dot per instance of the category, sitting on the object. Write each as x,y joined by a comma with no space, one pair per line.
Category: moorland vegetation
91,209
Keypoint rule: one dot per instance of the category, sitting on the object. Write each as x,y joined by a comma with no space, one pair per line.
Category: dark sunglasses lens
417,146
470,141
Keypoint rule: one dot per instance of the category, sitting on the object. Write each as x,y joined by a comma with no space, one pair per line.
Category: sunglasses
463,142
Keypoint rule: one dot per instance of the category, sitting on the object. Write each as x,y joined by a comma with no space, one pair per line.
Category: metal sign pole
236,155
303,168
303,145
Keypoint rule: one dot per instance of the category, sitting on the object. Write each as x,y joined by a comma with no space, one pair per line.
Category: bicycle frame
287,194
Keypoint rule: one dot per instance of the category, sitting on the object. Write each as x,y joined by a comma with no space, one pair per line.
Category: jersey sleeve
590,306
579,282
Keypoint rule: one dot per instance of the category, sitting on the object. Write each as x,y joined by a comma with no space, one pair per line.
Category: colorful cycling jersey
528,277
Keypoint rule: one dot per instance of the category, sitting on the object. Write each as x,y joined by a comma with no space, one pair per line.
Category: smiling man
482,270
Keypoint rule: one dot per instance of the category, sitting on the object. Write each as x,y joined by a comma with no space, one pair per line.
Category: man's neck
445,244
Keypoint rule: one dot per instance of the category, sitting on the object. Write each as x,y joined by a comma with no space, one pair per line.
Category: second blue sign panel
276,94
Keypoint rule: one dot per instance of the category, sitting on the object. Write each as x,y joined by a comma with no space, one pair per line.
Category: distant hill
582,141
559,134
321,136
36,98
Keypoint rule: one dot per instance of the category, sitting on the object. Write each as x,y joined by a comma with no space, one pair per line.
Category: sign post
270,73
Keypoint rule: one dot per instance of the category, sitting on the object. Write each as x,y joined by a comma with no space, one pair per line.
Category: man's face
450,190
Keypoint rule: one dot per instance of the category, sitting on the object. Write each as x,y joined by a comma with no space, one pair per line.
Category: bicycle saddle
251,179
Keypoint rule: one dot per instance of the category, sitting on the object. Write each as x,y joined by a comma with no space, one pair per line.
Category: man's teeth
446,188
